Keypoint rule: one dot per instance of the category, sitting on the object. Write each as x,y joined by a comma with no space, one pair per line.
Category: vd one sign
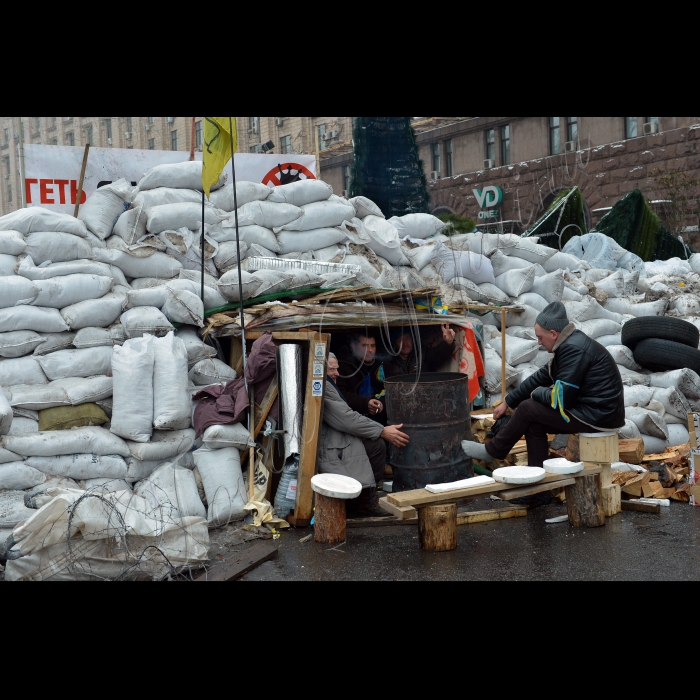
53,172
488,199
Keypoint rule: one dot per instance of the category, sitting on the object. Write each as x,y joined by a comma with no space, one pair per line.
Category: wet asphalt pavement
632,547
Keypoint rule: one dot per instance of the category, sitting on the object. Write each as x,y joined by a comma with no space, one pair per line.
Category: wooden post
82,181
584,500
251,459
331,520
612,500
603,452
504,378
437,527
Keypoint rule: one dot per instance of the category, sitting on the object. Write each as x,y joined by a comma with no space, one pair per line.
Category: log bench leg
585,502
612,500
437,527
331,520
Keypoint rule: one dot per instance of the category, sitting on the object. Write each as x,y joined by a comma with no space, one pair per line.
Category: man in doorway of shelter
406,360
580,391
361,378
353,445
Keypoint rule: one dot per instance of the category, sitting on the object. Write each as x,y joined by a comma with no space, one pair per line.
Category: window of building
491,145
90,135
173,140
505,145
449,164
631,127
437,161
347,178
151,144
198,134
108,126
554,135
285,144
572,130
70,139
651,120
322,137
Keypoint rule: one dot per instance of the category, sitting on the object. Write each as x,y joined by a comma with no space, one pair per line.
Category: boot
366,506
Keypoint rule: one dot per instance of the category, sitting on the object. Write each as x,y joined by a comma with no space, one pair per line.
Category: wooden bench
437,513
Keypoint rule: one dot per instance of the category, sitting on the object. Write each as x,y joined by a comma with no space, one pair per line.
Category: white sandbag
301,241
212,371
630,431
16,291
632,378
550,287
145,320
488,293
131,226
613,286
132,369
502,264
63,392
12,243
273,282
57,247
60,292
610,340
523,248
533,300
451,264
493,372
673,402
94,313
366,207
420,256
516,282
36,219
675,267
6,418
648,422
105,486
588,309
631,262
250,235
151,282
165,195
625,357
320,215
687,305
265,214
213,299
163,446
184,307
528,318
418,226
562,261
599,250
53,342
638,396
18,476
172,403
302,279
105,206
159,265
571,294
151,296
520,332
6,457
526,370
599,327
186,176
25,370
654,445
301,193
81,466
409,278
19,344
381,233
29,270
227,257
89,441
623,306
172,217
172,491
685,380
196,349
518,350
246,192
77,363
391,256
223,484
677,435
221,437
8,263
229,285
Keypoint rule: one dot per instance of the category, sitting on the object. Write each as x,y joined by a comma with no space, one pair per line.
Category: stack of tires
663,344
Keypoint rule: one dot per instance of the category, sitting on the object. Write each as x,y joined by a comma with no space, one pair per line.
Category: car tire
666,356
660,328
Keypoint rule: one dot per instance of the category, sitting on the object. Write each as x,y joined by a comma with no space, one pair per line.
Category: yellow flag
217,149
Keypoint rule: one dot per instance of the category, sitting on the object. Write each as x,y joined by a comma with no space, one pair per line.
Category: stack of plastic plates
521,476
563,466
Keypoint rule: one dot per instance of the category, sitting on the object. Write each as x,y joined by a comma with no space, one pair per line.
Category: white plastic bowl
520,476
563,466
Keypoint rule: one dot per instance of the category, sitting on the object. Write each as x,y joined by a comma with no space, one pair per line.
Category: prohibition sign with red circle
273,177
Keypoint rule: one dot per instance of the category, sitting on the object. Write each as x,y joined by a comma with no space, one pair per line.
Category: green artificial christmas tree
563,220
387,167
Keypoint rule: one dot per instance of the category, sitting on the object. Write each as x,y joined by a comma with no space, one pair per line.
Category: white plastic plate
563,466
520,475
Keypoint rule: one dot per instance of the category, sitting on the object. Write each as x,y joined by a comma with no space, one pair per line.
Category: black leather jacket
591,384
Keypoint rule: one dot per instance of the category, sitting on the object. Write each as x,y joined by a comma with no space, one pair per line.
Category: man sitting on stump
580,391
353,445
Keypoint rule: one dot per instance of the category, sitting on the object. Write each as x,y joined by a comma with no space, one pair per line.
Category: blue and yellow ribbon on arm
558,398
433,305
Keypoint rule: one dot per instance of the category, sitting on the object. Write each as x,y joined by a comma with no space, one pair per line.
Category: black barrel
434,410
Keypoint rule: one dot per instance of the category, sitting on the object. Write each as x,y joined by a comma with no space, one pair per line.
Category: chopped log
651,489
670,480
331,520
632,451
437,528
654,509
612,500
634,490
584,501
573,449
665,494
681,496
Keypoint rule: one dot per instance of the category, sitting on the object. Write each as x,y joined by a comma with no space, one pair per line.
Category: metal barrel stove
434,410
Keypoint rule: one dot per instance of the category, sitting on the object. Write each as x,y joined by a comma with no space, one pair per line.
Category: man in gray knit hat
579,391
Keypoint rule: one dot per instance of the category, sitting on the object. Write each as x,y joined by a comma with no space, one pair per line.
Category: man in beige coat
352,445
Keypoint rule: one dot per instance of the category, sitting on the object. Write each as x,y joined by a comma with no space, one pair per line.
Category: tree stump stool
332,492
603,450
437,527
